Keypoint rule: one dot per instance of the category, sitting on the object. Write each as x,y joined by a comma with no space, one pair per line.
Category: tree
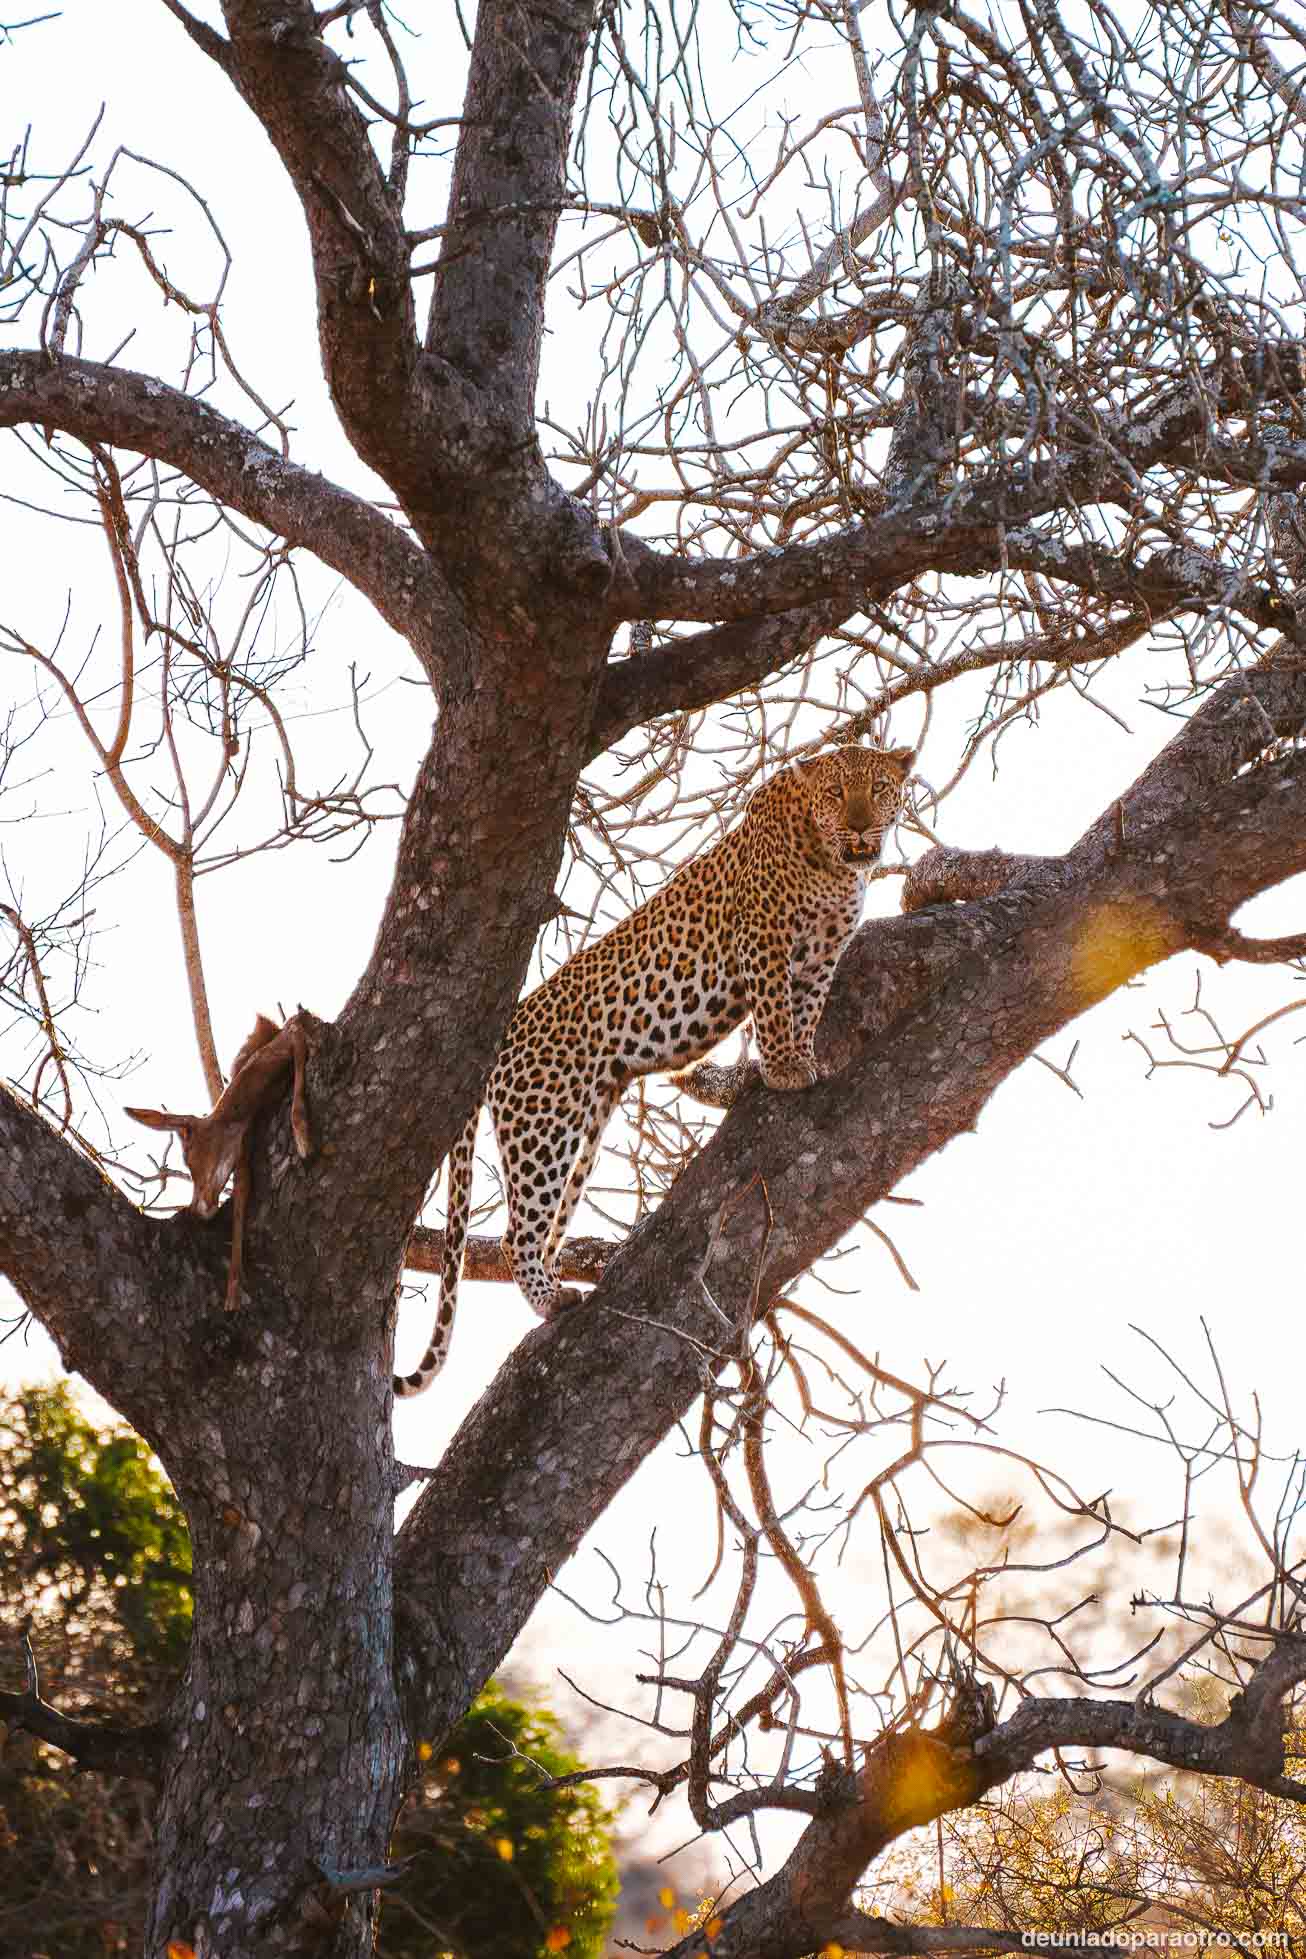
95,1570
1183,1854
990,367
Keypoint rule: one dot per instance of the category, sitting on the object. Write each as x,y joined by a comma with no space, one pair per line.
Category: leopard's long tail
458,1210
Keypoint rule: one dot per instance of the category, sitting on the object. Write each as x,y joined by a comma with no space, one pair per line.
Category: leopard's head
855,795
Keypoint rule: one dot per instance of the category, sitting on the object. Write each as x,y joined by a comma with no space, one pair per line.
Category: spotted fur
755,925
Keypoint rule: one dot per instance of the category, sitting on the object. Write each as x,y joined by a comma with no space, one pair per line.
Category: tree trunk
287,1749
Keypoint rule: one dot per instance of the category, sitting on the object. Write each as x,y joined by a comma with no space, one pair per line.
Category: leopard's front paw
796,1073
563,1301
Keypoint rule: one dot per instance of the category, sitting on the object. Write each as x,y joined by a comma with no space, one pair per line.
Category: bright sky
1041,1243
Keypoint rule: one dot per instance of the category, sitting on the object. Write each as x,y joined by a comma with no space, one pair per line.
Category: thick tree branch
1247,1744
113,405
203,36
958,532
704,667
580,1260
382,389
1228,943
1267,465
1169,581
724,659
858,1931
1234,725
946,876
487,314
124,1296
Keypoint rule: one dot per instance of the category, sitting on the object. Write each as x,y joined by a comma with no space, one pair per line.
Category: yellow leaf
682,1920
666,1897
178,1949
713,1926
504,1848
424,1751
557,1939
832,1951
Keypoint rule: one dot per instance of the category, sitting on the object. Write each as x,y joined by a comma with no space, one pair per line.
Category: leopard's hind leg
545,1166
605,1102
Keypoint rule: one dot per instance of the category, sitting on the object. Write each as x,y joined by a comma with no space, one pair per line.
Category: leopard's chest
823,917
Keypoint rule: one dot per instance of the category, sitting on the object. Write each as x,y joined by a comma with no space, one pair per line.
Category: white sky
1040,1242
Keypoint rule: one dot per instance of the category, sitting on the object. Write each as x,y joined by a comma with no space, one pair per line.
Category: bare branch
580,1259
98,1745
104,404
909,1779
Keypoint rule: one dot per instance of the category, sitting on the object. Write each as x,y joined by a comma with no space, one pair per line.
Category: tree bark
287,1749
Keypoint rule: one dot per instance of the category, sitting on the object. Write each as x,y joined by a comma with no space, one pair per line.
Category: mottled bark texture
324,1650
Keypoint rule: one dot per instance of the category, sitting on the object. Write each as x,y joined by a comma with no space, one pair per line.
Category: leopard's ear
904,757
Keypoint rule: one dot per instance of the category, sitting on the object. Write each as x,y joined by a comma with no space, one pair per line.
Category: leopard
754,925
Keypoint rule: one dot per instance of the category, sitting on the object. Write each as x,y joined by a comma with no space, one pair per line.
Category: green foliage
516,1866
95,1557
90,1531
514,1861
95,1561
